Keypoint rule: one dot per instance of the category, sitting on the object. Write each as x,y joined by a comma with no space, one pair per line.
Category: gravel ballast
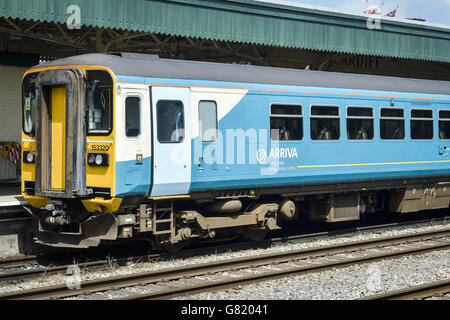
330,284
345,283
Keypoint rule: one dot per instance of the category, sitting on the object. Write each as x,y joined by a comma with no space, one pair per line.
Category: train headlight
91,159
28,157
98,159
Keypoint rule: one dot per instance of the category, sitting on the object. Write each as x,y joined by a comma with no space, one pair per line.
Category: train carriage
121,145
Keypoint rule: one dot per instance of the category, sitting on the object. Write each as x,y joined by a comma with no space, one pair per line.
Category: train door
133,148
60,153
171,141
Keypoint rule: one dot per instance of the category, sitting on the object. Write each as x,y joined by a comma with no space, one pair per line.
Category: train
128,145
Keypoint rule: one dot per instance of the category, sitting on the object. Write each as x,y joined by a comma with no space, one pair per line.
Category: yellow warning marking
371,164
170,197
58,109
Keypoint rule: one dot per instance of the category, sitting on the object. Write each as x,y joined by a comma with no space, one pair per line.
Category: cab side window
99,92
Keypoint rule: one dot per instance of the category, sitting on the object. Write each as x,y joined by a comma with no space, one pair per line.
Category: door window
132,117
170,121
207,117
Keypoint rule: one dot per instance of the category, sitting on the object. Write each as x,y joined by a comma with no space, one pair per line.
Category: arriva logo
275,154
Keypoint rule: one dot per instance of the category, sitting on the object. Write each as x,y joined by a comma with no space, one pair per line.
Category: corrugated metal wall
247,21
10,113
8,170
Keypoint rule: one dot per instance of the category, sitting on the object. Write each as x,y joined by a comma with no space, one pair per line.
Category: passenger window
359,123
286,122
421,124
392,124
132,116
444,124
170,121
325,123
207,117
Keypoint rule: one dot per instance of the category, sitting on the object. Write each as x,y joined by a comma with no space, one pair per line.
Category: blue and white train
119,145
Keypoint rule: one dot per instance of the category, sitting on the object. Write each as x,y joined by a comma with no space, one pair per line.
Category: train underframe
216,215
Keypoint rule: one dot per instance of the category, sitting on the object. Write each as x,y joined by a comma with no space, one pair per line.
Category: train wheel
165,245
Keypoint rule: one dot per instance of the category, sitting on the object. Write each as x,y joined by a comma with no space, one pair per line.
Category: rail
61,291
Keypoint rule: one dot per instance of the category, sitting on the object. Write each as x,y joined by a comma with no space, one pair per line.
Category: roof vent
135,56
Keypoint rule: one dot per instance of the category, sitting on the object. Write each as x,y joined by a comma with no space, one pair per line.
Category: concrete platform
12,200
11,205
16,238
15,222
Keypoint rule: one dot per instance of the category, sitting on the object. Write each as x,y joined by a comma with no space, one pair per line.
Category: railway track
18,262
51,267
418,292
188,280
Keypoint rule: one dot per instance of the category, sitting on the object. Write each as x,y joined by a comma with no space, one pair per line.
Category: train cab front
68,159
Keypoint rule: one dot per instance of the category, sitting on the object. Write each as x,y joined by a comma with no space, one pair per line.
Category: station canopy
258,23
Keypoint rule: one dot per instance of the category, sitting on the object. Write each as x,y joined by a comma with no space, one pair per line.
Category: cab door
171,141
